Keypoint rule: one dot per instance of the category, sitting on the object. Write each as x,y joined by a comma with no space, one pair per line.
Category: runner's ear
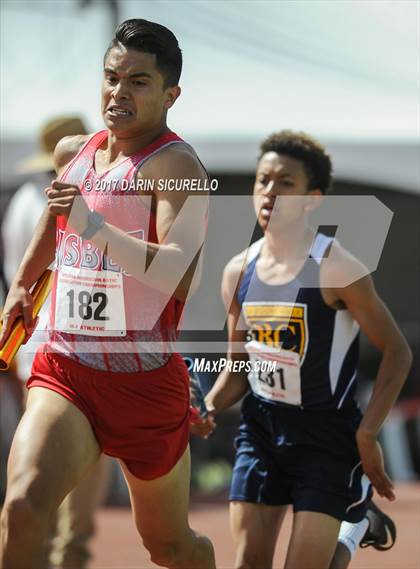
314,199
171,96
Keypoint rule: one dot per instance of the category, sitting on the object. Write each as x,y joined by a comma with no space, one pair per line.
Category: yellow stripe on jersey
272,311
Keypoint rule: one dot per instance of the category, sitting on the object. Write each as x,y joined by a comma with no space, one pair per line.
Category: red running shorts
139,418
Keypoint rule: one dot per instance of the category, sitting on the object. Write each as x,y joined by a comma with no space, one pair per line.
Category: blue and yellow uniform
297,435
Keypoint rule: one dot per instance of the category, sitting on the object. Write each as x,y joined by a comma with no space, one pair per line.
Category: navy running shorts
306,458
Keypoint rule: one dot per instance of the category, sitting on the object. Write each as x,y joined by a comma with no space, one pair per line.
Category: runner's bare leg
255,528
313,541
160,509
53,448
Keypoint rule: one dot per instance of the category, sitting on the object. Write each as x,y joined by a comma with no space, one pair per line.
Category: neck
288,243
127,145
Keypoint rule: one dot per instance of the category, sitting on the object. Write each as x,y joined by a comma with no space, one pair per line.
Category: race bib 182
90,302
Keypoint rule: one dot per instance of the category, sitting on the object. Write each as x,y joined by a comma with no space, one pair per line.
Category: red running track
117,546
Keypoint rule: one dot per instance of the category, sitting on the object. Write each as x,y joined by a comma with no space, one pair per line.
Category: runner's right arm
39,254
230,387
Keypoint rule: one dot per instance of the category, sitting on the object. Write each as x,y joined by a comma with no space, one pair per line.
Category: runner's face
133,96
279,176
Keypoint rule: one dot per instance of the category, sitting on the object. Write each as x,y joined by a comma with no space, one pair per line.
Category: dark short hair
301,146
149,37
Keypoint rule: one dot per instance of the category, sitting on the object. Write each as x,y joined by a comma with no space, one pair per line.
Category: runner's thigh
160,506
255,528
313,541
53,448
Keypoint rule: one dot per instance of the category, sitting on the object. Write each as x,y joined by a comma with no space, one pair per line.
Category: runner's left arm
376,321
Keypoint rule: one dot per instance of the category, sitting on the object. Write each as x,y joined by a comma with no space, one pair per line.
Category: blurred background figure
74,525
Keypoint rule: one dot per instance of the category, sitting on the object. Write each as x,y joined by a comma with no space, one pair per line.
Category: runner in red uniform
107,380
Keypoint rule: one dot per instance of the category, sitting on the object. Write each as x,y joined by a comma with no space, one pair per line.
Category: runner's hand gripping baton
198,405
18,333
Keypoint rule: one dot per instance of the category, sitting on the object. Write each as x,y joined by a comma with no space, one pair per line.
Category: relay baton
18,333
